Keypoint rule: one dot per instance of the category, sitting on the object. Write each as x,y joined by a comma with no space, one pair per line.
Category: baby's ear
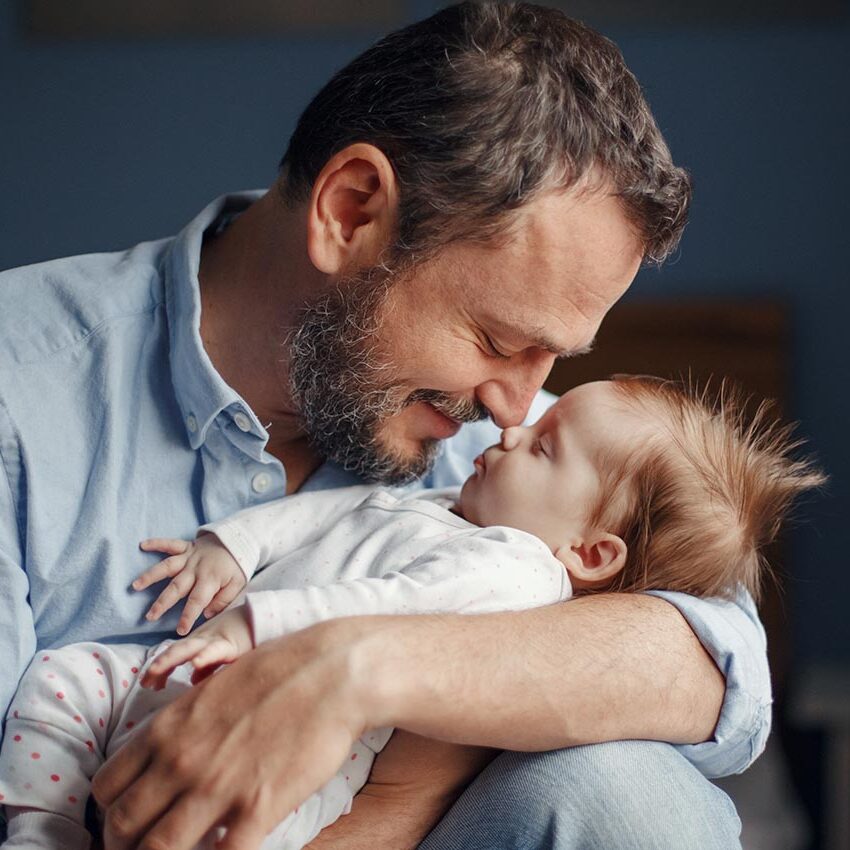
595,561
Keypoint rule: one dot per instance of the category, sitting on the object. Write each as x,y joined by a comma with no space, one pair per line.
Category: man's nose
509,396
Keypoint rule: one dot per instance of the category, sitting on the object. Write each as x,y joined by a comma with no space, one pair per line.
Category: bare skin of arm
594,669
413,784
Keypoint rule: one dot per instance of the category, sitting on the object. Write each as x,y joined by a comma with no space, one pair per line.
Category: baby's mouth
480,463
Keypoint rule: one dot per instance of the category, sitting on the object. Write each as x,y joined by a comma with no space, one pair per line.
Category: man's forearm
413,783
594,669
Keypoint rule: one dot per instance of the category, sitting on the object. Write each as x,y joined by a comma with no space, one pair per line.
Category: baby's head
638,483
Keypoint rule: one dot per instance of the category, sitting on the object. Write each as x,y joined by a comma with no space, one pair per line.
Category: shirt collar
201,392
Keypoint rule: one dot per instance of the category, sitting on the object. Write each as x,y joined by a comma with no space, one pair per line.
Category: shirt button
191,423
243,423
261,482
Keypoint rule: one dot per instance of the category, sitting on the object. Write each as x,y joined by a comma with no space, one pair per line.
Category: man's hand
252,742
220,641
203,569
241,750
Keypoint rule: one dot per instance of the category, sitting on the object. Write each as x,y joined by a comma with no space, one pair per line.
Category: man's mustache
460,409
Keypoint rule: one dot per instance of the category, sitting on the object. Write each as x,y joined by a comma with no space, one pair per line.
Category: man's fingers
246,831
118,774
182,827
206,765
179,587
144,788
168,545
164,569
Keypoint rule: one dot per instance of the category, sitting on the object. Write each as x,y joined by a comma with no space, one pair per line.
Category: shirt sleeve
17,631
491,570
733,635
263,534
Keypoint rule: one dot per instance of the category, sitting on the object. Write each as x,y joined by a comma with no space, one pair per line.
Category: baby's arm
263,534
214,567
489,570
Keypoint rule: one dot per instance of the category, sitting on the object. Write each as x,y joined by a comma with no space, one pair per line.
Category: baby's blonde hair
697,503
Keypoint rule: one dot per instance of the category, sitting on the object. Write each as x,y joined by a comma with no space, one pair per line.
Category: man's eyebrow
538,337
541,340
576,352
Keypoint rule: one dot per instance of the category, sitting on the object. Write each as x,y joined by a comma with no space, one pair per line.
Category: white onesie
309,557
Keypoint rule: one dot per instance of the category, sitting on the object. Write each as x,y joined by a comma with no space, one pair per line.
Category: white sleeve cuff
243,548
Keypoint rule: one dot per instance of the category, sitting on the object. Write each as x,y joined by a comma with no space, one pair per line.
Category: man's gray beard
344,390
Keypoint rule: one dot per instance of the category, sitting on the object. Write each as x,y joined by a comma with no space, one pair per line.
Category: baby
624,485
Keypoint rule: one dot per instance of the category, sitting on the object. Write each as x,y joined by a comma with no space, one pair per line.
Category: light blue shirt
114,426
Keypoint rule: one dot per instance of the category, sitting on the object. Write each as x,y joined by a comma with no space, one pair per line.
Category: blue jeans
623,795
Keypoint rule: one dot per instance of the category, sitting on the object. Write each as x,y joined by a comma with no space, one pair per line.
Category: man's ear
352,212
593,562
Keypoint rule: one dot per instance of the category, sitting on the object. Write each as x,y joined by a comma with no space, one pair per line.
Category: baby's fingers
167,545
223,598
203,591
172,594
164,569
166,662
217,651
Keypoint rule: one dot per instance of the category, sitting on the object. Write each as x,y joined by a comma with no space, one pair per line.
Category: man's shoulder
46,307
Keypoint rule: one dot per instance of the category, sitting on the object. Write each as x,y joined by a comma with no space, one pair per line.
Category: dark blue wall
105,144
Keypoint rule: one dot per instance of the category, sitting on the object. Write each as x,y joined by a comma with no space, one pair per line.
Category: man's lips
445,426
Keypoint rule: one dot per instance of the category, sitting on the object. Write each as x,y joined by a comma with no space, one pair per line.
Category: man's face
383,369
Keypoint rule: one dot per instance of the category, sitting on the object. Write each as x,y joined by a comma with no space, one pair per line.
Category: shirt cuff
732,634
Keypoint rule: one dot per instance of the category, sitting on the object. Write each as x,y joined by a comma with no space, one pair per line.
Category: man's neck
255,276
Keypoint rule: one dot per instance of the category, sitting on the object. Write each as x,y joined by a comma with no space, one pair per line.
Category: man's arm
413,783
594,669
599,668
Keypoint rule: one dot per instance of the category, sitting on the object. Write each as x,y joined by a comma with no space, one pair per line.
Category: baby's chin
465,506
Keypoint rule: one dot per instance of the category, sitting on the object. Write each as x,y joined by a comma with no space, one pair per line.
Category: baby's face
545,478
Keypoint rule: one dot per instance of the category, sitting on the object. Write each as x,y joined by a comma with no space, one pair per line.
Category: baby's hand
201,568
218,642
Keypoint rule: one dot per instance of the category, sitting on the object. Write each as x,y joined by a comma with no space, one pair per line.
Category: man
459,206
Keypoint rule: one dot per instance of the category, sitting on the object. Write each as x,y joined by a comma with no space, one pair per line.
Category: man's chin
403,466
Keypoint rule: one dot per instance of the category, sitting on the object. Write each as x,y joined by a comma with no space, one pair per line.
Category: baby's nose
511,437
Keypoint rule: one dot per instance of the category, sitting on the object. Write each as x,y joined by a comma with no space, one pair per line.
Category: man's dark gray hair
482,107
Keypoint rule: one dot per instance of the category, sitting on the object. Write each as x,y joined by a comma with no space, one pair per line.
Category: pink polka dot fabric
61,725
54,744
